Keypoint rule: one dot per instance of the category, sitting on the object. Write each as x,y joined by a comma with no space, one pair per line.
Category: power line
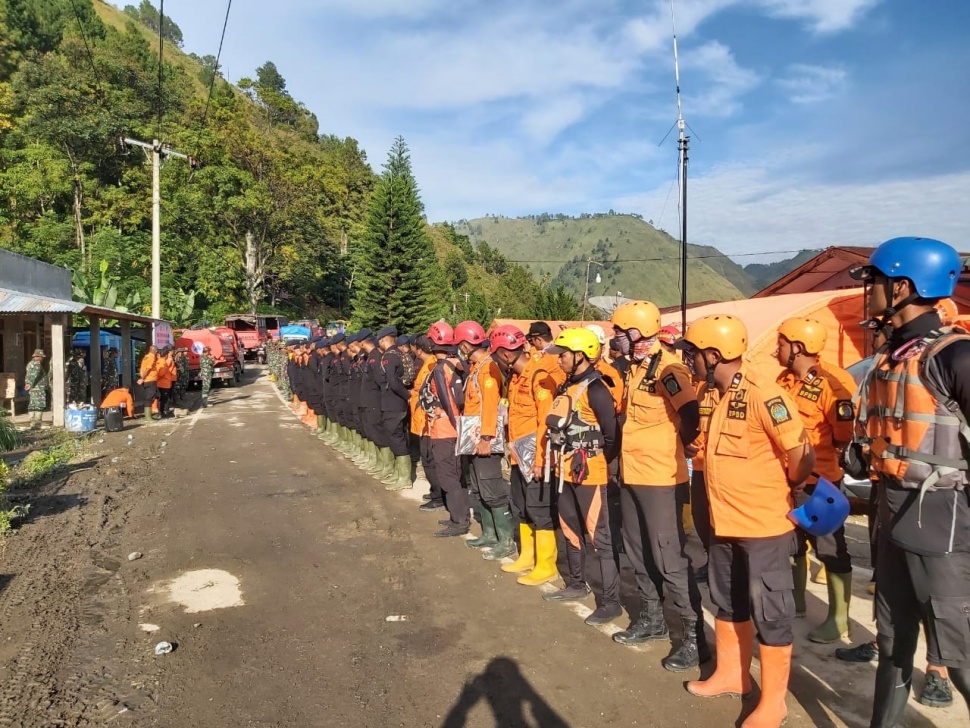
215,72
655,260
80,27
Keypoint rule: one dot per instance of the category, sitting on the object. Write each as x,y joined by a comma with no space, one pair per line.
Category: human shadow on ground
513,701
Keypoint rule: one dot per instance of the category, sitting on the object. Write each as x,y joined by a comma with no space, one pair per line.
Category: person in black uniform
368,401
914,405
353,398
326,354
338,344
394,403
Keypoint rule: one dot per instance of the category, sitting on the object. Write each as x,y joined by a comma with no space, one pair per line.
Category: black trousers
751,578
395,436
485,480
700,508
427,460
164,398
585,519
373,423
447,466
532,502
654,538
832,550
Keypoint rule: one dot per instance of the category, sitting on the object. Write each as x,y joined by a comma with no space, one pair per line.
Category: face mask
624,340
642,348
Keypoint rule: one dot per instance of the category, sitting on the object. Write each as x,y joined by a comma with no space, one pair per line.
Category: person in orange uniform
119,397
434,500
488,490
582,444
611,376
757,454
824,403
661,418
700,508
540,339
531,390
167,374
442,398
148,379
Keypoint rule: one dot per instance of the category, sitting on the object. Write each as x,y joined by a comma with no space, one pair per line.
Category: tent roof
556,326
16,302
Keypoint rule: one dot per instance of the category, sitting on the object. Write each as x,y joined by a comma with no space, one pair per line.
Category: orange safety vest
613,381
913,436
572,430
419,418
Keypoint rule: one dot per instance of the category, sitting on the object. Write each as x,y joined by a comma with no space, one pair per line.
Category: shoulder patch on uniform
671,384
542,395
778,410
489,383
844,411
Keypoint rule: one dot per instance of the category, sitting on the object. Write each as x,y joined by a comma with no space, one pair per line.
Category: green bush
10,438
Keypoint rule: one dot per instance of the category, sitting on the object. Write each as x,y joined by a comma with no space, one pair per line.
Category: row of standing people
574,427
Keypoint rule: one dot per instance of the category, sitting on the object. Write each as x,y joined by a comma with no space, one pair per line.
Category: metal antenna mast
683,145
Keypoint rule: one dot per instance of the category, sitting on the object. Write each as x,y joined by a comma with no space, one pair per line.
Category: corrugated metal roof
12,302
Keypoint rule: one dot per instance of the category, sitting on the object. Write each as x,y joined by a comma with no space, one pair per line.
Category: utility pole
589,262
157,152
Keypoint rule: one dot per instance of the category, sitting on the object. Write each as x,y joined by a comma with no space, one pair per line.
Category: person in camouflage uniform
283,377
36,384
77,378
207,367
110,379
182,373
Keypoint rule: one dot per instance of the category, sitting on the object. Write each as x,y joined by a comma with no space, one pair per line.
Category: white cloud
546,120
729,81
807,84
743,208
824,16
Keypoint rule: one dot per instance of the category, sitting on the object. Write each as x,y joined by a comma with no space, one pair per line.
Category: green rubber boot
799,572
401,477
484,513
836,625
378,465
362,451
320,424
387,464
504,529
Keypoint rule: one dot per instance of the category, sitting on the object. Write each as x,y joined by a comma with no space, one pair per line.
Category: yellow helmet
805,331
640,315
727,334
583,341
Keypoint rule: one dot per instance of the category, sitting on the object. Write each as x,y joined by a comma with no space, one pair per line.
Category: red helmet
506,337
470,332
441,333
669,334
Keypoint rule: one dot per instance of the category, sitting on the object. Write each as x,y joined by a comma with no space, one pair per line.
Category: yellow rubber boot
775,669
732,677
546,553
527,551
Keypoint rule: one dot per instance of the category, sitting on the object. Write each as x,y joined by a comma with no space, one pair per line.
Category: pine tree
398,279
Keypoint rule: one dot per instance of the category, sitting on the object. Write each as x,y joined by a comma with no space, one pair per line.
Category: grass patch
10,437
41,463
8,515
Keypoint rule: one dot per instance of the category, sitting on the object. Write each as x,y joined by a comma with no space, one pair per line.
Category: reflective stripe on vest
914,435
567,431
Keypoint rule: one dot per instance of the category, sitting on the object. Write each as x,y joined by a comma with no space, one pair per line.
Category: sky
812,122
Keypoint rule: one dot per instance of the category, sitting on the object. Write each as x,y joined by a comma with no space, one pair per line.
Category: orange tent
556,326
839,311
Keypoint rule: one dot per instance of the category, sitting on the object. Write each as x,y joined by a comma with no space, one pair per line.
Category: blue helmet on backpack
932,265
824,512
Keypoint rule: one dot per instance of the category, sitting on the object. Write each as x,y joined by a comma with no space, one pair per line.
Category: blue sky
818,122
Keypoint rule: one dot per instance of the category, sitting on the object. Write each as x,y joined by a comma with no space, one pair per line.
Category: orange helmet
727,334
640,315
669,334
805,331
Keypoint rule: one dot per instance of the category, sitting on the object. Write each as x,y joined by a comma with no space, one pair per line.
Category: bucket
114,419
80,420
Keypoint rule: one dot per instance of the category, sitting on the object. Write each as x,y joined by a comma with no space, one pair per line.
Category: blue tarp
294,332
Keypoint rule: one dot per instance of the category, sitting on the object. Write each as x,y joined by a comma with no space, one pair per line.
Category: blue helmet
824,512
932,265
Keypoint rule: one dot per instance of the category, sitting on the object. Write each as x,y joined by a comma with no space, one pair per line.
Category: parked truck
222,348
253,331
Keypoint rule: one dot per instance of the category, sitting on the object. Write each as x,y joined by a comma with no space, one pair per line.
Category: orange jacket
613,381
419,418
530,399
167,372
148,371
441,425
825,406
753,427
550,362
652,452
483,390
119,398
707,400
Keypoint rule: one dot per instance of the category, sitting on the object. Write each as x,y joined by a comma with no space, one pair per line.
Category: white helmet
598,330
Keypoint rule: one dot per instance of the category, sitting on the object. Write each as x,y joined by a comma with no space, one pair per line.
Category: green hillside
637,259
761,274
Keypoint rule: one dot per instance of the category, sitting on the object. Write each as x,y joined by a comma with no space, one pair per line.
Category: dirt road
297,592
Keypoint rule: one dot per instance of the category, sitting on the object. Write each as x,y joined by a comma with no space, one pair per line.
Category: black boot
648,626
693,649
936,691
892,694
569,593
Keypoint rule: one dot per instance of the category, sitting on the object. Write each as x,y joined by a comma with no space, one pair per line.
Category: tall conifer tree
398,278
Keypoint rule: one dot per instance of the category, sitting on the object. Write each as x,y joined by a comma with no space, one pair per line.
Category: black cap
539,328
339,338
364,334
387,331
403,340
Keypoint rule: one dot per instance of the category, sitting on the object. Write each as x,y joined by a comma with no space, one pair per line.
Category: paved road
335,606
